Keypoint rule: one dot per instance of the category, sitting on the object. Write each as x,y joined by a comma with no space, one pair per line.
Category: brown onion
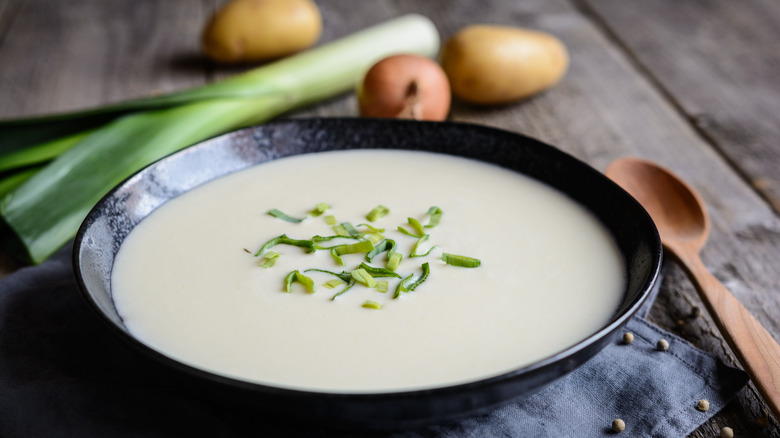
405,86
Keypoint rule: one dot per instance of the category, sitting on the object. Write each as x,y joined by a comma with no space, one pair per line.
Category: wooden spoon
681,218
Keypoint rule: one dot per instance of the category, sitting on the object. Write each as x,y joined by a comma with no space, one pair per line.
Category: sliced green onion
402,286
371,229
346,288
340,250
435,213
344,276
330,284
330,219
320,208
378,272
128,136
393,260
375,238
416,226
426,269
379,248
377,212
372,305
281,215
362,276
318,239
381,286
459,260
409,233
284,240
340,230
297,277
351,231
269,258
416,246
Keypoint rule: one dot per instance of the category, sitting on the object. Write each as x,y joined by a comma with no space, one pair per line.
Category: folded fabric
64,374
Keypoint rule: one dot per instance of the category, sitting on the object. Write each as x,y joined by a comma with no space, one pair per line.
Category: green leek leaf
130,135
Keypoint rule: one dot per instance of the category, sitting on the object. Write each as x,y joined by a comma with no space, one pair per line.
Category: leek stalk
105,145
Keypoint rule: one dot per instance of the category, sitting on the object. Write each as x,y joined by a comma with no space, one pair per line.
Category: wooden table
692,85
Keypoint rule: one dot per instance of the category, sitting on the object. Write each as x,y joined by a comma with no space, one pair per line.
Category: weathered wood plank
71,55
719,61
605,107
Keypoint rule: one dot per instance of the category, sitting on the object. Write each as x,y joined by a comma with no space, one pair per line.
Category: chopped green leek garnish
330,219
417,245
346,288
378,272
284,240
345,276
320,208
371,229
402,286
426,269
296,276
340,230
330,284
340,250
318,239
279,214
362,276
393,260
375,238
377,212
409,233
381,286
379,248
435,213
269,258
459,260
416,225
351,231
372,305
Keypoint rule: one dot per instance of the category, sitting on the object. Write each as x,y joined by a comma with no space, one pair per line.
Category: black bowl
107,225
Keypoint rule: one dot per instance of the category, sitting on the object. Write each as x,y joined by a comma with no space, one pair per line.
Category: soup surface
187,283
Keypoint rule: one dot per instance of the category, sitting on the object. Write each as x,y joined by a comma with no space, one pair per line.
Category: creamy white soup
187,283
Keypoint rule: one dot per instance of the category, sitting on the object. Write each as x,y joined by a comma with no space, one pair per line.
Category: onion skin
405,86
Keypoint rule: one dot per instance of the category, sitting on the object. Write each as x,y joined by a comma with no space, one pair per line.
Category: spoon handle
756,349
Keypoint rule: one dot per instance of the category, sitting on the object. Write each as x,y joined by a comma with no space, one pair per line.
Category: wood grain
72,55
718,61
646,79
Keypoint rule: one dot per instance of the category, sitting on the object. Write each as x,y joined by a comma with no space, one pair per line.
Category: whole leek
91,151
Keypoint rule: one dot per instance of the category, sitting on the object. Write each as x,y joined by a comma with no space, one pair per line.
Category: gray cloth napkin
63,374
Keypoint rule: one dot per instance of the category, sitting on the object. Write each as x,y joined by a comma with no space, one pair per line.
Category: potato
495,64
259,30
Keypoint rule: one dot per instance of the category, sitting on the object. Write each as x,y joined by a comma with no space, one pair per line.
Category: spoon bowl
682,221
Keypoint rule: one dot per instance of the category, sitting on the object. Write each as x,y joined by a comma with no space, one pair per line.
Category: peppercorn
703,405
618,425
662,345
727,432
628,338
